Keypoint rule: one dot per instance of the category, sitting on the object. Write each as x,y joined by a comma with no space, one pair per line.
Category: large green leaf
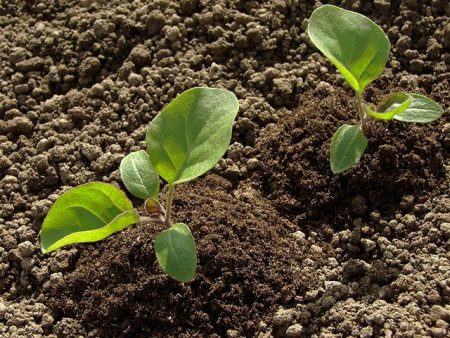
87,213
390,106
176,253
190,135
139,176
421,110
356,45
347,146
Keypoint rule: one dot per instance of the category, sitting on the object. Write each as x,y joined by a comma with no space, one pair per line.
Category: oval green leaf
139,176
347,146
356,45
421,110
190,135
390,106
176,252
87,213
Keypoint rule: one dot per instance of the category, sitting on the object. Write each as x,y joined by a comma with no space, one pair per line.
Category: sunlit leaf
87,213
356,45
421,110
190,135
391,105
139,176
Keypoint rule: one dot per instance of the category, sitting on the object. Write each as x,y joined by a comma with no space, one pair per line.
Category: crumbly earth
286,249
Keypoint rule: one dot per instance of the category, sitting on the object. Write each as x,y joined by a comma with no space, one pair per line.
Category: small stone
446,38
102,28
26,248
21,89
283,86
17,55
98,90
324,88
446,134
382,6
299,235
56,280
89,67
253,164
33,64
27,263
368,244
140,55
19,125
172,34
316,250
156,21
438,332
438,312
47,320
294,331
445,228
403,44
283,317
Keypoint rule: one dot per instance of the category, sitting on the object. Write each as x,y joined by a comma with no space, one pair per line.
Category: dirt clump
248,266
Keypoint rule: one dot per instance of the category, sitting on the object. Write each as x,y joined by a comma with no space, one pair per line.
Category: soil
286,249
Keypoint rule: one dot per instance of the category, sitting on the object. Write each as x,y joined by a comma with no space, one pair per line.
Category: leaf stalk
169,205
361,110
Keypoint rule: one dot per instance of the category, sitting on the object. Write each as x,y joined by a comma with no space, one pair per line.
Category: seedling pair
360,49
186,139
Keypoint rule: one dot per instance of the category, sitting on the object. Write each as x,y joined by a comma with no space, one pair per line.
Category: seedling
186,139
359,49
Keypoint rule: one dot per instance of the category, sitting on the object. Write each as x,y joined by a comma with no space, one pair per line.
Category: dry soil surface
286,249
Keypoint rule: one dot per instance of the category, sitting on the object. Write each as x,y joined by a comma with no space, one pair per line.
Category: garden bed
285,248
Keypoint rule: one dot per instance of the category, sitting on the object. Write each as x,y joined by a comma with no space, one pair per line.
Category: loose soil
286,249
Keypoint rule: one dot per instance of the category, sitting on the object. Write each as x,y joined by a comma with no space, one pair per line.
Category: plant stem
362,113
169,204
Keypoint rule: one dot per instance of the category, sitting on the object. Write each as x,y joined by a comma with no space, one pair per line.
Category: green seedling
186,139
360,49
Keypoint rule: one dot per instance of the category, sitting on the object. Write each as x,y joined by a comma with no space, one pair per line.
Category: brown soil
247,268
286,249
397,163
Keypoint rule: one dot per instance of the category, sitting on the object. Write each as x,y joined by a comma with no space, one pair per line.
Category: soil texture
286,249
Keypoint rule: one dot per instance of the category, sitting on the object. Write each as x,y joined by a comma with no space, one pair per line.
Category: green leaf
176,253
421,110
87,213
356,45
390,106
139,176
347,146
190,135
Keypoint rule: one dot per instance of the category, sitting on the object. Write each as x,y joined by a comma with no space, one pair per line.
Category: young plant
186,139
359,49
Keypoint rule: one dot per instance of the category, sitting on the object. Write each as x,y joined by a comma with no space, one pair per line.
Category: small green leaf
347,146
176,253
356,45
421,110
390,106
190,135
139,176
87,213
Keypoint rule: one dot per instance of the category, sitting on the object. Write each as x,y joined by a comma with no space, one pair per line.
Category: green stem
169,204
362,113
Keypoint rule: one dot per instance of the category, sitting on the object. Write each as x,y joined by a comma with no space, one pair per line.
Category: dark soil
286,249
247,268
397,162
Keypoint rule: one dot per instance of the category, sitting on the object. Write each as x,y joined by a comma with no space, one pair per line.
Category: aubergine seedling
359,49
186,139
